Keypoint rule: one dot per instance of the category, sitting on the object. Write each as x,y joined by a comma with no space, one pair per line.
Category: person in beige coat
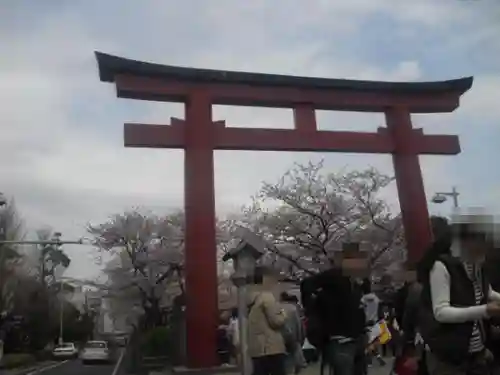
266,318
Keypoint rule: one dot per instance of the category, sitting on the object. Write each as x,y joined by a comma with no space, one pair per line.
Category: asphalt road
75,367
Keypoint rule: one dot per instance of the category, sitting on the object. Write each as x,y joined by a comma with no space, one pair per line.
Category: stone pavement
313,369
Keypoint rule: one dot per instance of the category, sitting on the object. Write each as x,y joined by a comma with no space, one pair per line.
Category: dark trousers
269,365
476,364
340,357
224,356
360,359
390,346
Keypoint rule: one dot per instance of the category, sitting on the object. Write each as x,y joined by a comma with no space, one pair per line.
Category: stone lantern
244,257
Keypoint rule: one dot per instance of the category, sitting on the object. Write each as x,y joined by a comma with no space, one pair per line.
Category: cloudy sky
61,150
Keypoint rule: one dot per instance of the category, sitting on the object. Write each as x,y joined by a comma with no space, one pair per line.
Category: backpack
288,336
400,302
314,327
314,330
332,305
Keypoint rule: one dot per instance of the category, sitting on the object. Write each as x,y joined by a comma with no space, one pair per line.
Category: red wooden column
304,116
410,184
200,251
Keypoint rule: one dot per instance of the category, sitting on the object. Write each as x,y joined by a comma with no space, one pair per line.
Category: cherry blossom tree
147,266
148,255
310,212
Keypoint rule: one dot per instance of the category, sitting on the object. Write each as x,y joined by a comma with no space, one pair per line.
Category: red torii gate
199,136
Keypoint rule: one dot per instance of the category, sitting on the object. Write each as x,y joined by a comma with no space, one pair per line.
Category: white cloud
61,151
483,100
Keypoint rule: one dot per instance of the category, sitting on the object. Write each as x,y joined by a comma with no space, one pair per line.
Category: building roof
110,66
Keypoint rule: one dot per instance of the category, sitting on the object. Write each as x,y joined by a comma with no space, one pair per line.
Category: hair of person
442,233
366,286
441,228
438,248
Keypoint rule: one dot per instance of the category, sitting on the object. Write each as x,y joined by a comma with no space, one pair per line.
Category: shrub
10,361
156,342
43,355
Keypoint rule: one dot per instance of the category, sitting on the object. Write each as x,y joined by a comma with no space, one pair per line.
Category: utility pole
57,242
57,237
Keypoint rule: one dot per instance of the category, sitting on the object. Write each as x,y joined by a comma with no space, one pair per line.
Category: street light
3,200
441,197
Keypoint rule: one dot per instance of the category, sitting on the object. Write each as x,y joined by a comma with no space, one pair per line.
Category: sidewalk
312,369
26,370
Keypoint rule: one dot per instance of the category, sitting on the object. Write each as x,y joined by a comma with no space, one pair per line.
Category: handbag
289,339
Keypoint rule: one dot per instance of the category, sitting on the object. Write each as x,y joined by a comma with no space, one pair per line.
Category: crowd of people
444,320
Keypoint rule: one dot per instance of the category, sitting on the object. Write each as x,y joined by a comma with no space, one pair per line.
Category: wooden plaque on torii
199,135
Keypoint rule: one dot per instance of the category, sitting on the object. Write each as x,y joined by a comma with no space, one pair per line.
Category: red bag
405,365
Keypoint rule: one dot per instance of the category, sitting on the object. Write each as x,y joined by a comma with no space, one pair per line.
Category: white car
65,351
96,351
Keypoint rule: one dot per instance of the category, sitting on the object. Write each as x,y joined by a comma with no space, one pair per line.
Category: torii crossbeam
199,135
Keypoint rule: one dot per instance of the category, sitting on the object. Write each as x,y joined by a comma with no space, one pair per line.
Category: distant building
93,299
107,324
94,303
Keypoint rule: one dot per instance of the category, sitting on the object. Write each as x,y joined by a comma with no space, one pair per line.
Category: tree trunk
153,313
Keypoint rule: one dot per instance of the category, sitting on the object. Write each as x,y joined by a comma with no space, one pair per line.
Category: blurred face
475,248
357,268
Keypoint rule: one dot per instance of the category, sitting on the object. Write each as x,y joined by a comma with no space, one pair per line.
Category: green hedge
43,355
10,361
156,342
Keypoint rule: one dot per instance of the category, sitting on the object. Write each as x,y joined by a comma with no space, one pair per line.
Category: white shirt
371,303
440,293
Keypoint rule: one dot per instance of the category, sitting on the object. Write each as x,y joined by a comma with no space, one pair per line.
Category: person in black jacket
340,318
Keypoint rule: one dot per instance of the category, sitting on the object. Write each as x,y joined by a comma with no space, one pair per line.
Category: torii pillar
199,136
